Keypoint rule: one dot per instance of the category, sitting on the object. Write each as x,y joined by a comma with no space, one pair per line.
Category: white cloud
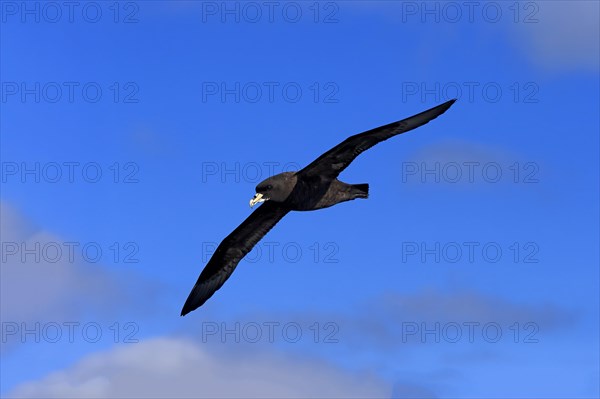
37,286
459,151
44,287
555,35
176,367
378,324
566,35
471,166
464,305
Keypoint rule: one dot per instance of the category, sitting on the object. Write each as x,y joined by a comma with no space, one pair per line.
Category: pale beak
257,198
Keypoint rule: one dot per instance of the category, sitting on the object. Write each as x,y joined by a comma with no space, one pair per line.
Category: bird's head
276,188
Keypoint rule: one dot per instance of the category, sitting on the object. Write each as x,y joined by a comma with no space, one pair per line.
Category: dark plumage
314,187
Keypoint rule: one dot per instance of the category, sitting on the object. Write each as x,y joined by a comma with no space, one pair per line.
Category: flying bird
314,187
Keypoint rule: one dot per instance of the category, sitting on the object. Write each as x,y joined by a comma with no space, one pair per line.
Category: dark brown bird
314,187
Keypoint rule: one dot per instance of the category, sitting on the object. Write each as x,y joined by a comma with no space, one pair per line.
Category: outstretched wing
231,250
333,162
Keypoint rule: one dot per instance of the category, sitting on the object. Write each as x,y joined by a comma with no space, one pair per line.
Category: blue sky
133,136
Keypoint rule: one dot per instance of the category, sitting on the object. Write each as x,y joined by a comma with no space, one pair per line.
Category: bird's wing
231,250
334,161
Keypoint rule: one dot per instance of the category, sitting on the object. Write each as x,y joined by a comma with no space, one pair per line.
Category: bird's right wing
231,250
334,161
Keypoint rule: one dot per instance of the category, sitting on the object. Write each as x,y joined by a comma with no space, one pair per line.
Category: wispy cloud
565,37
173,367
41,276
46,278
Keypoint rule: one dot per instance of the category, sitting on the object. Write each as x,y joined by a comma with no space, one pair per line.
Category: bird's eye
269,187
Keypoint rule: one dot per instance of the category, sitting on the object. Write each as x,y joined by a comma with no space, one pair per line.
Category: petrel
314,187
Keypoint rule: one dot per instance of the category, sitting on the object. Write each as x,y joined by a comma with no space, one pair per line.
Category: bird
314,187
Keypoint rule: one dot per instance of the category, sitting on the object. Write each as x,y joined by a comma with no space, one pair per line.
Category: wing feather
334,161
231,251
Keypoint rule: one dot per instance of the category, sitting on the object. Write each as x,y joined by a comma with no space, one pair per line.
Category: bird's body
312,193
314,187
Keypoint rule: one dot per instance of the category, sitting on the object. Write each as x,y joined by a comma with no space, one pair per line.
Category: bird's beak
256,199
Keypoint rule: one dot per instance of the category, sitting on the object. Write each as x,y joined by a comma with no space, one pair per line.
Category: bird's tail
360,190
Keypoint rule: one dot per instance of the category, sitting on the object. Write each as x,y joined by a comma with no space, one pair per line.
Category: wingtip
445,106
450,102
186,309
193,302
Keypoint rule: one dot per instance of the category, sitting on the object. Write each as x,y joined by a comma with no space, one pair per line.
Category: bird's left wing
334,161
231,250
